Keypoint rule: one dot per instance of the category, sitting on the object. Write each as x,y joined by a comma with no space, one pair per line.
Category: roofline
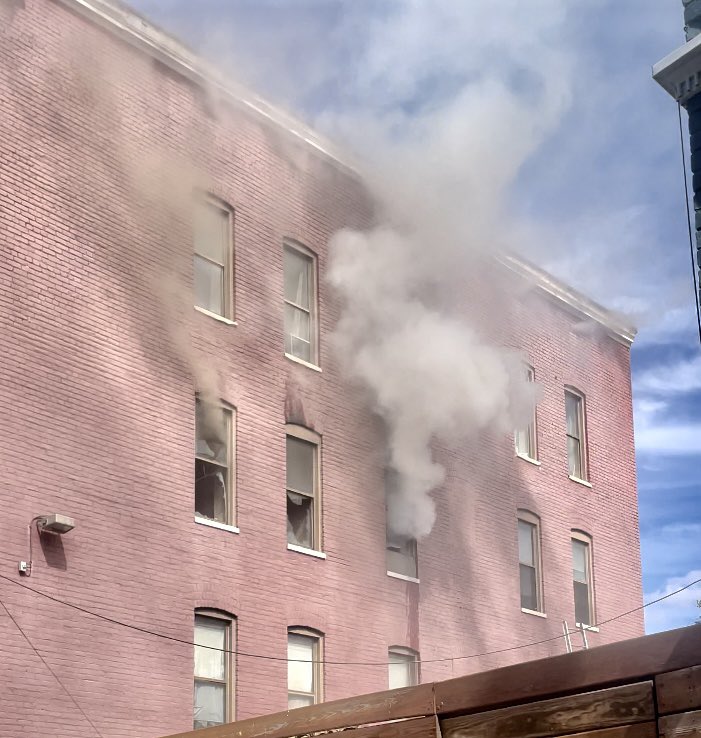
140,33
128,25
571,299
679,73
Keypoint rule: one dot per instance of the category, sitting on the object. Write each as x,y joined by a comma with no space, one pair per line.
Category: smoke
441,170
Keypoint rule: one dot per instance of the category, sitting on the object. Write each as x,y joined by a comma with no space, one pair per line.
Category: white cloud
682,376
671,548
656,436
676,611
669,439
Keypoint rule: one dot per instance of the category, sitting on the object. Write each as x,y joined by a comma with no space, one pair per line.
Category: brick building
280,546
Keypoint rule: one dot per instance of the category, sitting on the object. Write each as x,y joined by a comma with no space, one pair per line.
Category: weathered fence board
679,690
683,725
636,730
574,714
364,710
635,659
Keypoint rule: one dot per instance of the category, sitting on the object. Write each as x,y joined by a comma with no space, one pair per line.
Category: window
529,561
214,423
403,667
303,667
300,302
526,437
402,556
213,693
576,441
582,579
303,488
213,257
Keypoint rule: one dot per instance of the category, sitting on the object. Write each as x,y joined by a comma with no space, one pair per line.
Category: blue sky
595,191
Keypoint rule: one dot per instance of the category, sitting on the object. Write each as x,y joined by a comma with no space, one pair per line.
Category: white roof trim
680,72
571,299
137,31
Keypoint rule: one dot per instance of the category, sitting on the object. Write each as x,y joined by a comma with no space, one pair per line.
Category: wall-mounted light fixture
54,524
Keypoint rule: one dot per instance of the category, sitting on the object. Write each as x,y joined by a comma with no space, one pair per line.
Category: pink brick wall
101,148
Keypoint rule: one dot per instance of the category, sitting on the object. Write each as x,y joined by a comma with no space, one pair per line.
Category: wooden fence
641,688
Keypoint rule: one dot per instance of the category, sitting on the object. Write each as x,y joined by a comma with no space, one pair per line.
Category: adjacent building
163,305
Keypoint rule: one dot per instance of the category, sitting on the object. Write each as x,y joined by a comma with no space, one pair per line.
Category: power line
697,296
322,661
51,671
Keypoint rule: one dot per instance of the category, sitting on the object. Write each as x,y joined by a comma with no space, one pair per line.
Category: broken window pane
212,431
210,491
300,526
401,556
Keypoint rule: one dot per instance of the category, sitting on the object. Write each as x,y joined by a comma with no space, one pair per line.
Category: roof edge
679,73
570,298
128,25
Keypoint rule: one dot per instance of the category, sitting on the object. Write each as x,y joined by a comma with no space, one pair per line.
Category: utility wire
334,663
52,672
697,297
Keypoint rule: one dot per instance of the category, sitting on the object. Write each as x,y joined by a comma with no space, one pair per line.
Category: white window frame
317,639
406,547
212,202
230,466
229,622
313,311
309,436
582,428
408,656
581,537
525,516
531,430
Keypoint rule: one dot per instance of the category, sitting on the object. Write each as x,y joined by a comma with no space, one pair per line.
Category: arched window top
581,535
404,650
293,243
305,630
528,516
214,612
303,433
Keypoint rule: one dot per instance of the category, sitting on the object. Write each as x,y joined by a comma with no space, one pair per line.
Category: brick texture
101,149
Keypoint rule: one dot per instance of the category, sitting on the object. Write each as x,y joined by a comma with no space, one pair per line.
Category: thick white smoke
441,175
429,374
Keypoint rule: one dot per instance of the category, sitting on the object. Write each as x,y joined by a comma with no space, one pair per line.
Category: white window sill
403,577
302,362
580,481
220,318
589,628
306,551
216,524
528,459
534,612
